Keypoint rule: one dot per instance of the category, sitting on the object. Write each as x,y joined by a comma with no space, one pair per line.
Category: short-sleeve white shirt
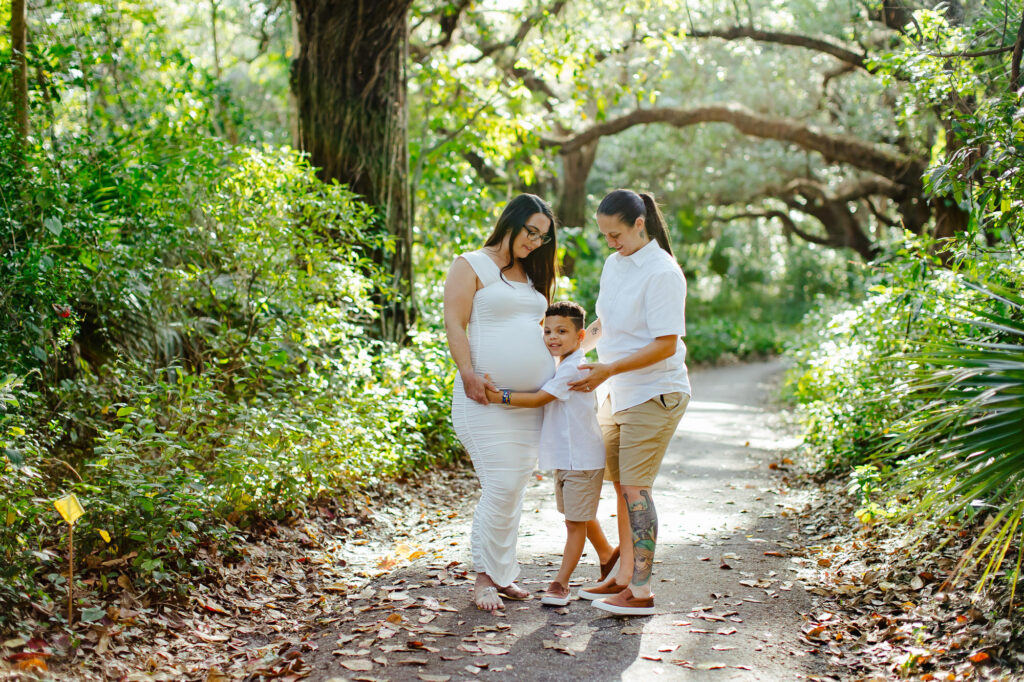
570,437
642,297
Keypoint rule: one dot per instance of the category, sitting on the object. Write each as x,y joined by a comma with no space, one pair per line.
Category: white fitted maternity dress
506,342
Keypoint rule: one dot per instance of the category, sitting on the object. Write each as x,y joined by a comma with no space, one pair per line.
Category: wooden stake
71,571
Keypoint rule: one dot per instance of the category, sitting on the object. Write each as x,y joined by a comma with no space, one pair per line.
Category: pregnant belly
515,359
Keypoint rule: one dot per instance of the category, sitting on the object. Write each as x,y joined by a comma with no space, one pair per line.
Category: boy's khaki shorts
577,493
635,439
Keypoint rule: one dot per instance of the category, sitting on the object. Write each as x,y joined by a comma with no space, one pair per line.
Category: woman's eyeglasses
535,235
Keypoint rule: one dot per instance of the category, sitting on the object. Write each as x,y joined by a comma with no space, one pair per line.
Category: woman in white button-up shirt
641,382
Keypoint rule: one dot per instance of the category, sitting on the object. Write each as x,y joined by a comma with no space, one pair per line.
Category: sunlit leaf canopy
594,60
496,87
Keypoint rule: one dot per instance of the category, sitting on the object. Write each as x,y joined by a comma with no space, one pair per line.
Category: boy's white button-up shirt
570,437
642,297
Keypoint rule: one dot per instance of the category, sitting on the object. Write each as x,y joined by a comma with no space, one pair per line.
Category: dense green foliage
922,381
213,365
182,324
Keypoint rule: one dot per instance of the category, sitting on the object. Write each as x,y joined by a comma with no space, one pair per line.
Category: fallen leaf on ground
558,646
33,663
359,665
492,650
210,605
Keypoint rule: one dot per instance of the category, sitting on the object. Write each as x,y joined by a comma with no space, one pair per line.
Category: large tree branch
851,191
838,51
525,26
788,225
448,17
486,173
528,77
897,167
879,214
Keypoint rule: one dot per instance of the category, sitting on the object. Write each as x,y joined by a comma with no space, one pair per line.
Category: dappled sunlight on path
725,591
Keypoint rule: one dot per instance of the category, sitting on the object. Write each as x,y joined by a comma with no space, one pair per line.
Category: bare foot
487,598
514,592
486,594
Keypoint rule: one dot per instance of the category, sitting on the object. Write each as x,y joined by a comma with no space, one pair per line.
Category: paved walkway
728,605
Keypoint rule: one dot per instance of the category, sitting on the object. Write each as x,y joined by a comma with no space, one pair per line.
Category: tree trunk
349,81
19,16
572,203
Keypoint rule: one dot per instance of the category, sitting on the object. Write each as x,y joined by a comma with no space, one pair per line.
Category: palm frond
963,443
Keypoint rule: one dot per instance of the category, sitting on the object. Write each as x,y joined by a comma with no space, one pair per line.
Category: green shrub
214,367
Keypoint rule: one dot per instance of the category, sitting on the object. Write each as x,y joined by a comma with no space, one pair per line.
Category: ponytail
655,222
628,205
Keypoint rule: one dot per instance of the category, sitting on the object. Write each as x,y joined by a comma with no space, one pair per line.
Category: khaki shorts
578,492
635,439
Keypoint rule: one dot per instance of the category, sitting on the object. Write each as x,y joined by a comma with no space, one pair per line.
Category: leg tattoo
643,520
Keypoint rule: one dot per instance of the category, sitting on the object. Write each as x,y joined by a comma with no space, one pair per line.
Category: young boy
570,443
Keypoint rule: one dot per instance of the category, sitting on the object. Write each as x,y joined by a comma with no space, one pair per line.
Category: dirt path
729,607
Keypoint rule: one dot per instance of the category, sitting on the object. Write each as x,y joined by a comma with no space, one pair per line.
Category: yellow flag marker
70,508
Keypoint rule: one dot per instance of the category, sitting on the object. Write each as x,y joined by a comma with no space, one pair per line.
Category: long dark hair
627,206
540,265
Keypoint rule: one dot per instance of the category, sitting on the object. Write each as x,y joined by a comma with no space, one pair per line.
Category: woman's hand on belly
475,386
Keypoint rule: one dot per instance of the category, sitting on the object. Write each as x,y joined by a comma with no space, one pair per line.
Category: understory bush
854,362
713,337
183,346
919,392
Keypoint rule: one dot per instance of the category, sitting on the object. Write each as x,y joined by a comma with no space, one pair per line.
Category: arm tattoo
643,520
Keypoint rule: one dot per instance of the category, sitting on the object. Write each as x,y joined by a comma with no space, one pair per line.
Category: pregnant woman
494,303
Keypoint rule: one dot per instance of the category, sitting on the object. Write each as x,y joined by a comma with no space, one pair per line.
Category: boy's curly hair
574,311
